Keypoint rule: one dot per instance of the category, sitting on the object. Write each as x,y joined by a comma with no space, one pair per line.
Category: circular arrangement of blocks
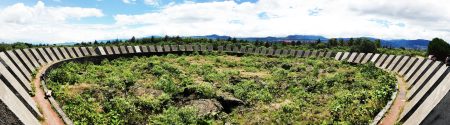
428,81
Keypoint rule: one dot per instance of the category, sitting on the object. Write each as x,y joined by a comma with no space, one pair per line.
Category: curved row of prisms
429,81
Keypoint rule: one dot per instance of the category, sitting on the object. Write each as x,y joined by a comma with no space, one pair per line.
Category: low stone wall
426,79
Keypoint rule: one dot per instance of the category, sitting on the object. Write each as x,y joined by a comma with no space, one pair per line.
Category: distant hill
409,44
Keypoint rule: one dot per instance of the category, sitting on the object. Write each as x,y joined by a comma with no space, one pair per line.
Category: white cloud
42,23
409,19
129,1
384,19
151,2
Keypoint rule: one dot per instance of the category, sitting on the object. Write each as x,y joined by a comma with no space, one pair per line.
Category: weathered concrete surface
345,56
338,56
115,50
299,53
167,48
375,58
189,48
366,58
388,61
84,51
152,48
131,50
92,51
51,54
424,80
144,49
269,52
71,52
242,49
137,49
64,52
414,68
306,54
210,48
408,65
197,48
359,57
419,72
78,51
394,63
321,54
24,60
228,48
31,58
100,50
313,54
263,51
18,64
43,54
401,64
422,94
220,48
58,54
12,110
277,52
292,52
235,49
352,57
435,108
329,54
256,50
39,58
20,92
15,71
381,60
174,48
182,47
250,50
203,48
285,52
123,49
109,50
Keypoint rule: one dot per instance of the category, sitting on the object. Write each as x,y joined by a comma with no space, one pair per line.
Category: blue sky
56,21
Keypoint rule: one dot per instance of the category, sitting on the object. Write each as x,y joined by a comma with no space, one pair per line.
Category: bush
176,116
366,46
439,48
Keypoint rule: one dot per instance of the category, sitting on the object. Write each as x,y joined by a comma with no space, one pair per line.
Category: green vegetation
439,48
217,89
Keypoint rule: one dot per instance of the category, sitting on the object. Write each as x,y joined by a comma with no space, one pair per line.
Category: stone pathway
50,116
393,114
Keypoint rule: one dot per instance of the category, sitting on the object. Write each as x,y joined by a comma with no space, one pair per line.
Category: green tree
366,46
351,42
133,39
378,43
438,48
341,42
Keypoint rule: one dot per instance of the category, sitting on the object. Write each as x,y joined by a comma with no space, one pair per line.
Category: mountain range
395,43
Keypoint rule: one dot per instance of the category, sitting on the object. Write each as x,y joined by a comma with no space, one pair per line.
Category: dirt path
50,116
392,115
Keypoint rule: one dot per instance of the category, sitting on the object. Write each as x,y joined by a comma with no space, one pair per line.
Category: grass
172,89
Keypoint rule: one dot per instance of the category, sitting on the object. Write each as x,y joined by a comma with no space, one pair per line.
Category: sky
58,21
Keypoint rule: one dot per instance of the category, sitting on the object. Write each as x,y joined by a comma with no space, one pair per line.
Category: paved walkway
50,116
393,114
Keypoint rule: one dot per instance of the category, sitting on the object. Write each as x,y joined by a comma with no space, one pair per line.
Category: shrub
439,48
366,46
176,116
